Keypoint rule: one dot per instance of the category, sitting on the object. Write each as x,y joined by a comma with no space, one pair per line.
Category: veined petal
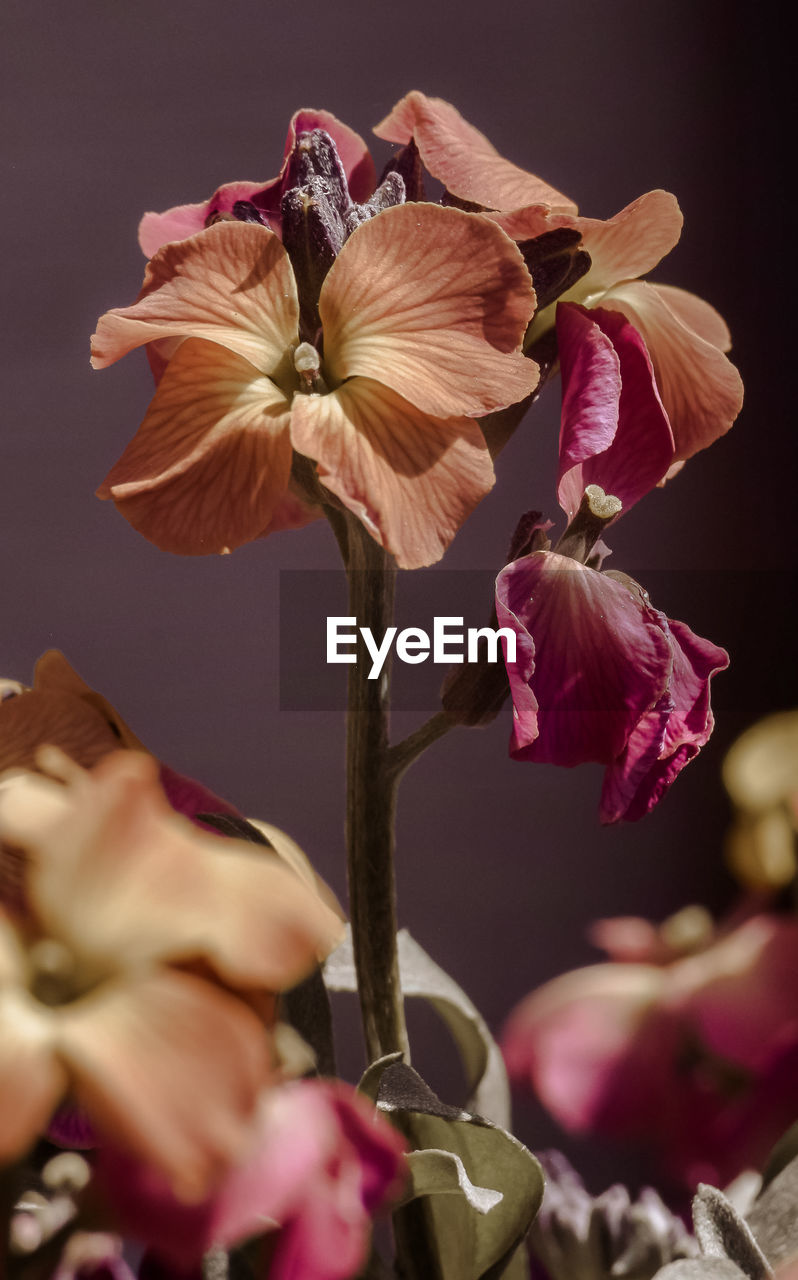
461,157
434,304
696,314
701,390
410,478
627,245
32,1080
231,284
211,461
170,1067
123,878
614,431
601,659
36,717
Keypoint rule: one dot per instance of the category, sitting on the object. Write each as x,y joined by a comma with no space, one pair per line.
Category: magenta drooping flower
321,1164
690,1054
600,674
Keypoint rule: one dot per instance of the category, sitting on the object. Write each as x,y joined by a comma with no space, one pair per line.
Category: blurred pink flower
321,1164
423,312
118,990
693,1056
686,338
600,674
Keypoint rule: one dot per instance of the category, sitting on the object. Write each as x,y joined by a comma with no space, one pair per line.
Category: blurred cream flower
761,776
119,988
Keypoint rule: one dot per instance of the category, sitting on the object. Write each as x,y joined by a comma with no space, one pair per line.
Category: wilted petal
432,303
170,1067
701,390
32,1080
461,157
614,431
211,461
119,874
599,659
589,1044
232,284
411,479
681,722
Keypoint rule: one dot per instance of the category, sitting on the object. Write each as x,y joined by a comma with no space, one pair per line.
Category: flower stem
371,805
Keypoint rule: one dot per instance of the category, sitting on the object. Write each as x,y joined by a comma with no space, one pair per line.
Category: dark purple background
111,109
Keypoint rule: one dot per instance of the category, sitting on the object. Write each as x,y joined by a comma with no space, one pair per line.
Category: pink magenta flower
117,991
421,318
600,674
693,1055
686,338
321,1163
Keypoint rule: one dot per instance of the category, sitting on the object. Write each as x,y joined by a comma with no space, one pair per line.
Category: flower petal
682,722
696,314
410,478
211,461
589,1043
701,390
432,303
118,874
32,1080
461,157
601,659
232,284
629,244
156,229
35,717
614,431
170,1067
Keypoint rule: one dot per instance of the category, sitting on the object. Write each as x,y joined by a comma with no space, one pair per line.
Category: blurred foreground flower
118,989
61,710
367,340
321,1163
761,776
693,1055
686,338
600,674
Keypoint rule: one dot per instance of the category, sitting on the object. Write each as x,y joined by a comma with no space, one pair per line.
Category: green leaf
477,1188
421,977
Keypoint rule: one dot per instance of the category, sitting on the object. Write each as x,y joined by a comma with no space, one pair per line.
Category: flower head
117,990
600,673
686,338
691,1053
320,1164
367,340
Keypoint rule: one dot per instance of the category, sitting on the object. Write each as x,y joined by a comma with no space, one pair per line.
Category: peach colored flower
422,314
686,338
101,998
